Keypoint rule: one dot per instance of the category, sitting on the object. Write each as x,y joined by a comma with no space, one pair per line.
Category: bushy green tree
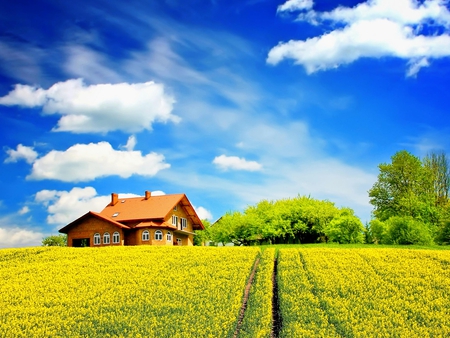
55,240
378,231
407,230
403,188
301,220
345,228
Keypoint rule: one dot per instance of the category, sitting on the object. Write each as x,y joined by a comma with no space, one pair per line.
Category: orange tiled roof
149,208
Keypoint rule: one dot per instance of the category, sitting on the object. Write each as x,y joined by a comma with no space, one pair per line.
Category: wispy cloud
236,163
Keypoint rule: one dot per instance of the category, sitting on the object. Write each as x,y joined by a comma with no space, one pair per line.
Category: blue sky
230,102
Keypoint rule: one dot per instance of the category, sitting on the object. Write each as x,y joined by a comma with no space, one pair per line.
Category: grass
353,246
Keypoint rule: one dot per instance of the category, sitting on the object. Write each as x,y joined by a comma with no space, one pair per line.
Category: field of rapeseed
364,293
122,291
197,292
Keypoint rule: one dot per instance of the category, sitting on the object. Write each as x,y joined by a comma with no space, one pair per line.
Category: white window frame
106,238
175,220
183,223
145,235
169,236
158,235
97,239
116,237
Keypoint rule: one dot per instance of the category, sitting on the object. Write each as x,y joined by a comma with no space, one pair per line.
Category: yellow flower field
197,292
122,291
364,292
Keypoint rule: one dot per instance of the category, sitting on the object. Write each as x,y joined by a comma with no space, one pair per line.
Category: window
145,235
158,235
169,236
106,238
184,223
174,220
175,208
116,237
179,241
97,239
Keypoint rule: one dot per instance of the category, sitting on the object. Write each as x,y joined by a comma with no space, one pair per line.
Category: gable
88,216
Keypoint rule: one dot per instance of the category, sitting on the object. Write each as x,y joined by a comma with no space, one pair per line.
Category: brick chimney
148,194
114,198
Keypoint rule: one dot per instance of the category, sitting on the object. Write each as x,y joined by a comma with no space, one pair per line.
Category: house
147,220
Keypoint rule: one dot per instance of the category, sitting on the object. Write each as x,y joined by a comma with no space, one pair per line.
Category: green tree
202,236
378,231
345,228
403,188
439,169
407,230
55,240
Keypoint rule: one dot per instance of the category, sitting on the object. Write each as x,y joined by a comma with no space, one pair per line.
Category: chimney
148,194
114,198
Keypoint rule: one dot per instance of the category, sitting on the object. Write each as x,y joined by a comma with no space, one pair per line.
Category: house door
81,242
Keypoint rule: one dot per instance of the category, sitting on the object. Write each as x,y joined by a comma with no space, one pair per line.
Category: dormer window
115,214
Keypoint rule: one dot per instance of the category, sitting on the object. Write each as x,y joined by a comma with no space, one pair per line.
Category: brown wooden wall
91,226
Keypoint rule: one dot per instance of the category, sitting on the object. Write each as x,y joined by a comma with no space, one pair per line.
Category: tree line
410,200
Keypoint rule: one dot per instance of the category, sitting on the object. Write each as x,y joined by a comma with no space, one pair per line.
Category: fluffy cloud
203,213
98,108
85,162
378,28
236,163
21,153
16,237
66,206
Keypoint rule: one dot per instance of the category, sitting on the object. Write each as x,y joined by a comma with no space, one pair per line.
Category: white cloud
131,143
236,163
295,5
85,162
24,210
203,213
100,108
416,65
158,193
374,29
21,153
16,237
66,206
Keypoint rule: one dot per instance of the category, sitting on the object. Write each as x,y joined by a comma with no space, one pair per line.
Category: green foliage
411,199
407,230
345,228
404,188
443,235
378,231
293,220
201,236
55,240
